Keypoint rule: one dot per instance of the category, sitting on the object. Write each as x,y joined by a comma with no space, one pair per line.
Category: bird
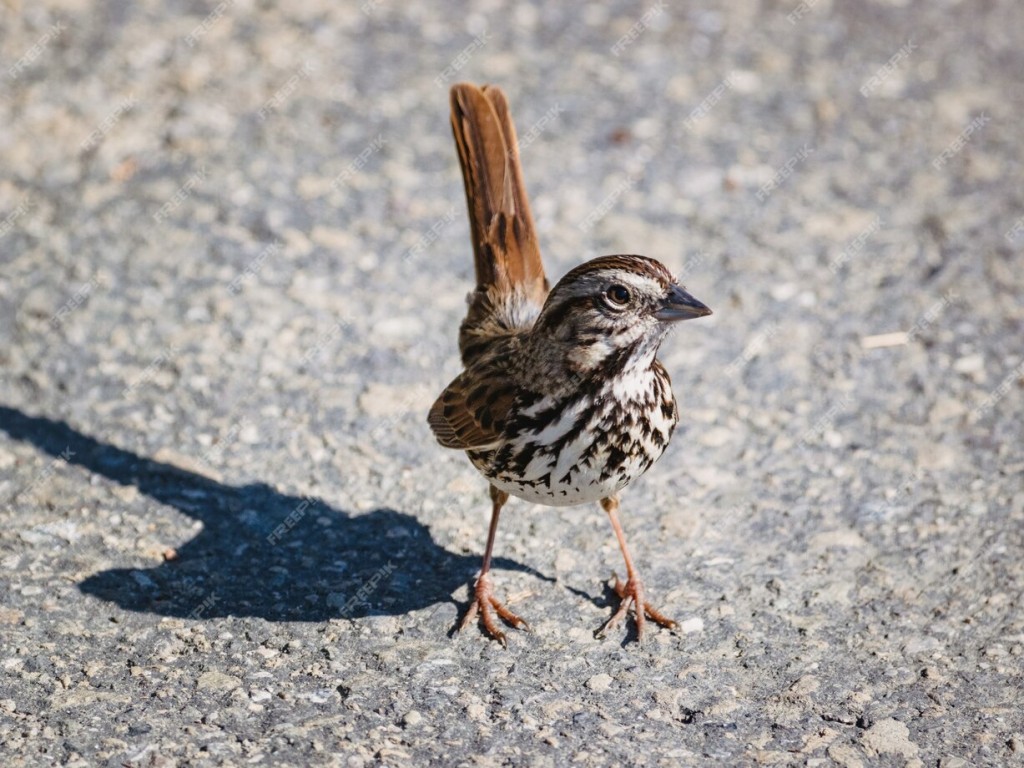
561,400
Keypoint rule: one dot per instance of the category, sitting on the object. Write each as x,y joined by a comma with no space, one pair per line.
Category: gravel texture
234,255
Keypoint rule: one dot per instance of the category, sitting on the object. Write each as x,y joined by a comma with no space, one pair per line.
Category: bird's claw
631,593
483,603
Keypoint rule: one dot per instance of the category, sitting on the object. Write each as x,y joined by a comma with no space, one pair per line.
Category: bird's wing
472,411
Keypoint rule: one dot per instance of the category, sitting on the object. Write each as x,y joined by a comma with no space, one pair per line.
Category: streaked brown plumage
562,400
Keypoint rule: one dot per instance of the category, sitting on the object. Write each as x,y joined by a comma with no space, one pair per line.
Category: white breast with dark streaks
590,446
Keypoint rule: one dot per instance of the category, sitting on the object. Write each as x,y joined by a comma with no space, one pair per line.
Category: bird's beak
679,305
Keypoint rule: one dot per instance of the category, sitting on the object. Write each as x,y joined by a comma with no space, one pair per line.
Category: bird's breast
584,447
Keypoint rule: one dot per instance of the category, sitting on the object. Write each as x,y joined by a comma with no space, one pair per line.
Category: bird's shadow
260,552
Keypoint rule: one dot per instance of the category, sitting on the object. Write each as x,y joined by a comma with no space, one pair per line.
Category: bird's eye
618,296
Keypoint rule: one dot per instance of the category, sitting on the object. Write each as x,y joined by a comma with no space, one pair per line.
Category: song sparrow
562,400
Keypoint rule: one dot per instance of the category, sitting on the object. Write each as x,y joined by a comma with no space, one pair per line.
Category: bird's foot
631,593
483,603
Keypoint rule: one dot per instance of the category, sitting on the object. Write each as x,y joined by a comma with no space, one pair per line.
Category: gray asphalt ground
234,256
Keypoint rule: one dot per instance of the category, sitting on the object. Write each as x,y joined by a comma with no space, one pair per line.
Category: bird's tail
510,281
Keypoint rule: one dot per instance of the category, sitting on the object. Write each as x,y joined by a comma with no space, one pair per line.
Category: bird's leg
632,592
484,599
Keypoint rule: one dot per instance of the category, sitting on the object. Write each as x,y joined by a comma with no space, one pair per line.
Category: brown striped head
613,309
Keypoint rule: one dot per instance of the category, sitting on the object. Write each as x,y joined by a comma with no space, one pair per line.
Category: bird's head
613,311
